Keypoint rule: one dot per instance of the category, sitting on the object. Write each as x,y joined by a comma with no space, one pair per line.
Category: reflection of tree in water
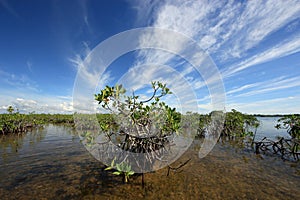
36,136
11,144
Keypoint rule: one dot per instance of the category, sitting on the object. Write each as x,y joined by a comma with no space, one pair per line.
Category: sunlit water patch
267,129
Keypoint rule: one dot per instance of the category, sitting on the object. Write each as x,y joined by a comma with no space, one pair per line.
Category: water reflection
20,145
10,145
267,129
51,163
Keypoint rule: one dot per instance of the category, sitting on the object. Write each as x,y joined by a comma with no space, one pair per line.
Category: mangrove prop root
178,167
289,149
155,148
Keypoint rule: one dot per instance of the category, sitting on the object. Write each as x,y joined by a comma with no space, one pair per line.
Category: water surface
51,163
267,129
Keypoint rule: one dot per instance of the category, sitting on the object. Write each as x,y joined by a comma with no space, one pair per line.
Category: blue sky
254,44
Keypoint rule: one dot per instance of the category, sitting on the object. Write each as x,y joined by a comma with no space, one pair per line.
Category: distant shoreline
255,115
273,115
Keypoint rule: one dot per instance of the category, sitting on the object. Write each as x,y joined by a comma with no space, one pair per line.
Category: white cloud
145,10
29,65
64,97
90,80
85,16
241,88
37,103
207,41
267,17
285,48
88,72
273,86
258,85
228,28
20,82
27,102
66,106
285,105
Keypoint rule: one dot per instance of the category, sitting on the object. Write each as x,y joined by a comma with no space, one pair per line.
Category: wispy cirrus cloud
85,16
145,10
282,49
9,8
29,65
273,85
282,105
241,89
82,63
227,29
278,95
90,79
256,21
17,81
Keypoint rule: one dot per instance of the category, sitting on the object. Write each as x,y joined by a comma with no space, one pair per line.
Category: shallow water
267,129
51,163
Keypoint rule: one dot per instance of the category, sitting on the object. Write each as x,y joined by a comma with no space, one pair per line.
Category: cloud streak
19,82
9,8
283,105
270,86
285,48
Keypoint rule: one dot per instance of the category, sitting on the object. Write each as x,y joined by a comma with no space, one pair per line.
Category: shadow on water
51,163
